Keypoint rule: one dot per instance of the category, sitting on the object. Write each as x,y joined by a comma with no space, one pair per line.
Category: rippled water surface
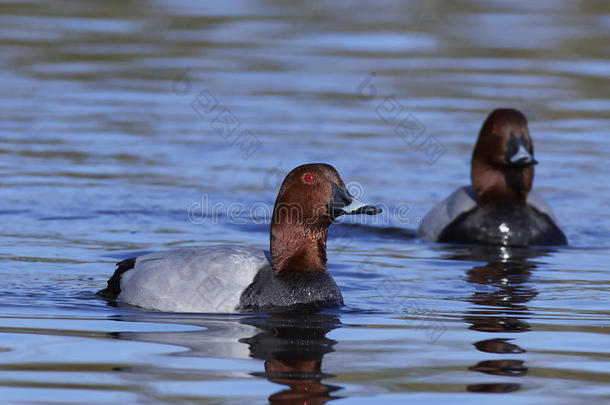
115,141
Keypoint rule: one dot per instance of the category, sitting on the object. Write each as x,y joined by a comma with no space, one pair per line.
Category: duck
231,278
499,207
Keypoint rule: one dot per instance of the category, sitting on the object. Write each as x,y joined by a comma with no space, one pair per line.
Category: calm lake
134,126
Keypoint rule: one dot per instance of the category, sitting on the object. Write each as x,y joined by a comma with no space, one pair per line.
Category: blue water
111,147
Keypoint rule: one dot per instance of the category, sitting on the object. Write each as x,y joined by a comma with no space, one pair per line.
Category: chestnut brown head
503,161
310,198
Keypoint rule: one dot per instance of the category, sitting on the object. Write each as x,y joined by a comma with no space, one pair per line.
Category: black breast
506,225
269,291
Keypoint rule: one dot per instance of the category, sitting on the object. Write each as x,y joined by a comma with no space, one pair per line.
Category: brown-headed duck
499,207
229,278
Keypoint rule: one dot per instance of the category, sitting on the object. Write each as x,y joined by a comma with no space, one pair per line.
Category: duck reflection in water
293,346
501,291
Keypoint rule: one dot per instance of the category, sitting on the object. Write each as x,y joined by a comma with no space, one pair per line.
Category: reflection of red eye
309,177
496,129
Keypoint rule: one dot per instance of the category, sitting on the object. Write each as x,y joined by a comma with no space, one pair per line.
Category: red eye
496,129
308,178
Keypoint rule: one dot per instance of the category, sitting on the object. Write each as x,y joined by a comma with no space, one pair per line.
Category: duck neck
500,186
298,248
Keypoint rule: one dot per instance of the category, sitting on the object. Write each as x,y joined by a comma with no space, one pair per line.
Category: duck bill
522,157
343,203
358,207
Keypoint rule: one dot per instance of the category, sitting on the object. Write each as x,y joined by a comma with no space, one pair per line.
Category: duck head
311,197
502,170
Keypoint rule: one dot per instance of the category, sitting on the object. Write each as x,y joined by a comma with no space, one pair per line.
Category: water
108,150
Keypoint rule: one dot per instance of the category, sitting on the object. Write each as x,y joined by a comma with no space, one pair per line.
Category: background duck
499,208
